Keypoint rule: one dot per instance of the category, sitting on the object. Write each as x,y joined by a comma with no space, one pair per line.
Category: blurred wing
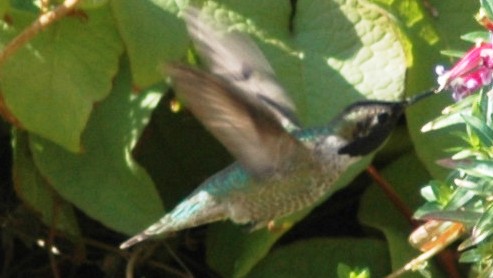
246,127
239,61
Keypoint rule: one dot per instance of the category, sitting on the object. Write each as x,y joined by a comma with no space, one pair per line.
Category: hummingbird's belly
268,202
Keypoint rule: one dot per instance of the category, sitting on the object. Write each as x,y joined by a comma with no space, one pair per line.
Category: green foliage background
94,137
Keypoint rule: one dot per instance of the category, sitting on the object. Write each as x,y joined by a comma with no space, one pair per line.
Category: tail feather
134,240
199,209
161,226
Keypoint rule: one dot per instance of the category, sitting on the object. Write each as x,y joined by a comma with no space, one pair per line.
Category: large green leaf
37,193
322,257
337,53
103,180
52,83
152,34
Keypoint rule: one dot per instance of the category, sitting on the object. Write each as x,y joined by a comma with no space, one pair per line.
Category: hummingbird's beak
412,100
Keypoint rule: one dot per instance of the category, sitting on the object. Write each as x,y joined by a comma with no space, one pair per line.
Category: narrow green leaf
474,37
465,217
470,256
480,129
487,5
484,227
442,122
477,186
470,166
451,115
452,53
436,191
427,208
460,198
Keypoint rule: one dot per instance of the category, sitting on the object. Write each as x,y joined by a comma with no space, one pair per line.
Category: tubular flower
465,85
470,73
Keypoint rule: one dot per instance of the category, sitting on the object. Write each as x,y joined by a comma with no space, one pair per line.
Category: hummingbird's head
366,125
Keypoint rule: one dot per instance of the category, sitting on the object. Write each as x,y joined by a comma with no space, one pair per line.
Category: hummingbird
281,167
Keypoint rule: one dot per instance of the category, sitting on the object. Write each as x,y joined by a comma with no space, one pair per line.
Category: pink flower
465,85
470,73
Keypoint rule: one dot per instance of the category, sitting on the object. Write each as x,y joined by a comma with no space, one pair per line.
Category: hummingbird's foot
274,227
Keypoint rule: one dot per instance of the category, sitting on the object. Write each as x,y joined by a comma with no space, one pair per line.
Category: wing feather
238,60
248,129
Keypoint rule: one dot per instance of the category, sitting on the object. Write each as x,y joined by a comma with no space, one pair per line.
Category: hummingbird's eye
383,118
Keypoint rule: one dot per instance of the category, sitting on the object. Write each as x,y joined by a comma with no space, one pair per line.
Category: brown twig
394,198
134,256
126,254
179,261
143,253
30,32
